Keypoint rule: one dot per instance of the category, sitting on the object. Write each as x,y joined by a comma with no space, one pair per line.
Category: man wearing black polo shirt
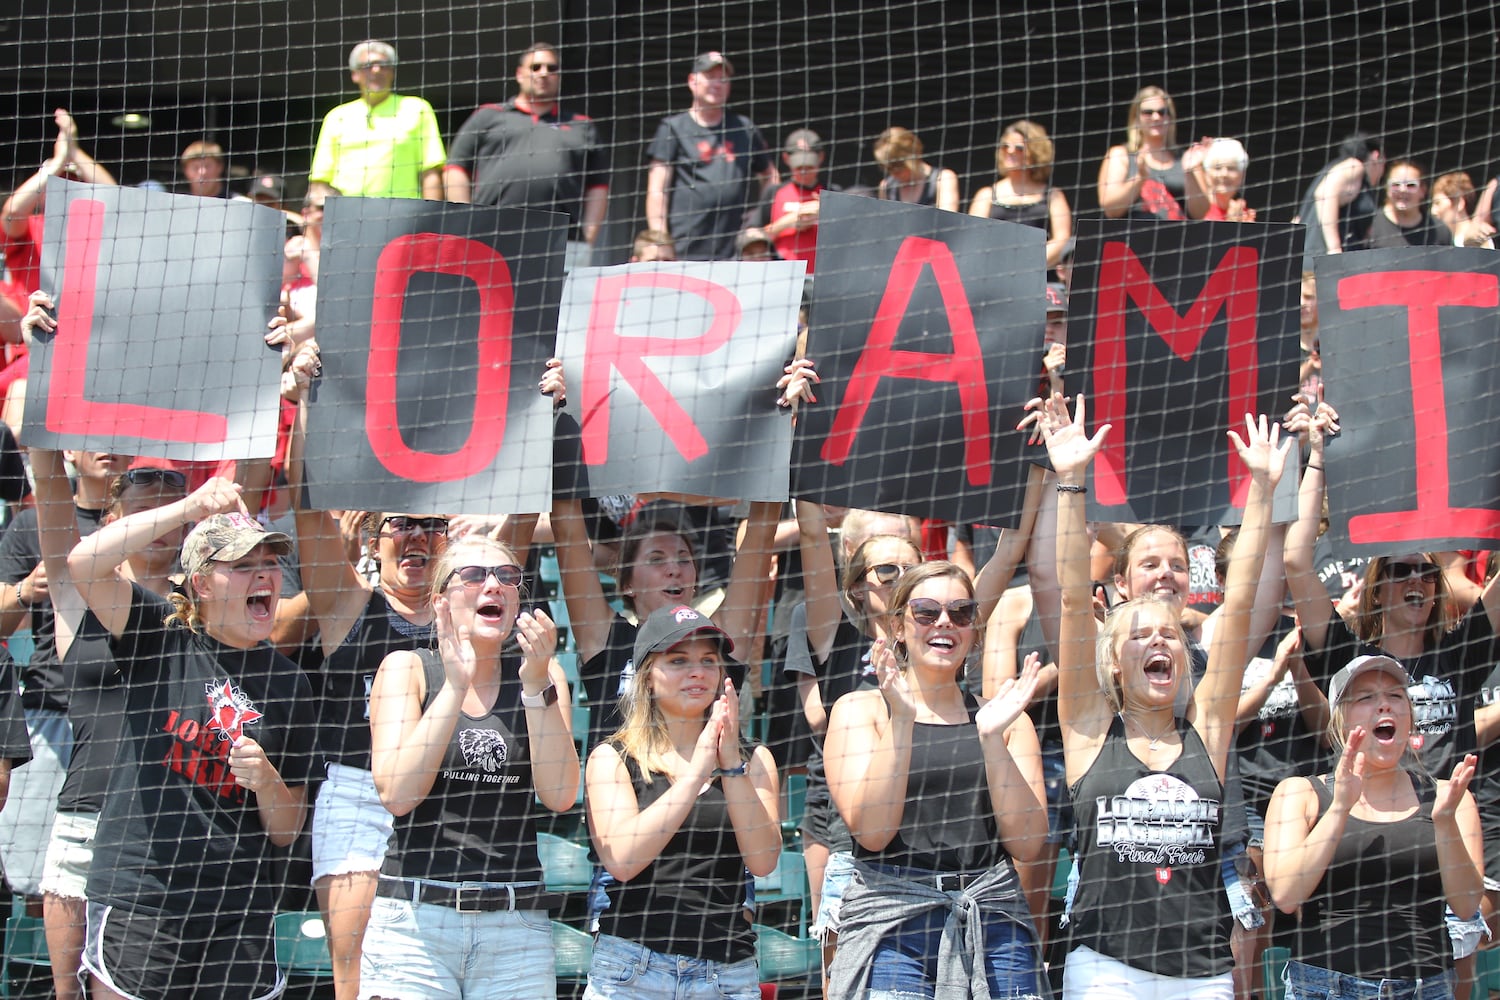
704,162
530,153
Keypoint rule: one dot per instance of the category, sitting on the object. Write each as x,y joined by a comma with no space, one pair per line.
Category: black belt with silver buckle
468,899
956,881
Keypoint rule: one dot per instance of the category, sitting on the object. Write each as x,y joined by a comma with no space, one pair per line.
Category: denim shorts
350,826
1465,935
624,970
1308,982
837,875
419,950
905,964
70,854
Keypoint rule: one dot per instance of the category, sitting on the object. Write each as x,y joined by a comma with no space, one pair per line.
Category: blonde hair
1133,118
858,567
897,145
1112,637
185,612
643,735
1337,728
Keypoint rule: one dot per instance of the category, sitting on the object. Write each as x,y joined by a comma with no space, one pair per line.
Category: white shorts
70,852
350,827
1089,975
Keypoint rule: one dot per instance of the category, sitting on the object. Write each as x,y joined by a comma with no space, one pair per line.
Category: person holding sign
1405,611
466,741
1150,918
678,810
942,797
1371,854
219,748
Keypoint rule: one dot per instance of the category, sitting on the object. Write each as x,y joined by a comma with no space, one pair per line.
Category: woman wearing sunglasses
96,696
1150,918
678,810
841,622
1024,193
1402,221
357,625
466,740
1146,177
1405,610
941,796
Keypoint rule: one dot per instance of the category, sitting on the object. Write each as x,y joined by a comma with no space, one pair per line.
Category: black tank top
96,711
890,189
687,901
1150,893
948,824
478,823
1037,215
1378,911
348,674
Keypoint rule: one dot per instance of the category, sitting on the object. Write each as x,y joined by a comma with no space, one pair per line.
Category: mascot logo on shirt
229,710
484,749
1159,821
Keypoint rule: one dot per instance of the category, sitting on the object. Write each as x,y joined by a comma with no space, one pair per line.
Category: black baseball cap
666,627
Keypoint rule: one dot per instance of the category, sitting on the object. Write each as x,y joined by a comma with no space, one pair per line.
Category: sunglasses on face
150,477
1155,113
400,524
926,611
1428,572
1404,185
1013,147
537,67
474,576
376,64
886,573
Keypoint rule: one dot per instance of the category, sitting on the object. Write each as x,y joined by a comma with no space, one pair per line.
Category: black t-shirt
346,677
1337,571
96,711
713,174
1428,233
525,160
1447,681
42,683
178,834
478,821
15,742
687,901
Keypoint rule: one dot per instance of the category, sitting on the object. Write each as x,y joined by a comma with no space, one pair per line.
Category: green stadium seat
575,950
25,945
565,864
782,957
302,944
1272,965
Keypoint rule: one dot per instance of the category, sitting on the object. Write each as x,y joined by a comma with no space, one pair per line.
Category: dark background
1288,79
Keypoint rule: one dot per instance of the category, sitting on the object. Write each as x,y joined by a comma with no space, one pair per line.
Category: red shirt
793,243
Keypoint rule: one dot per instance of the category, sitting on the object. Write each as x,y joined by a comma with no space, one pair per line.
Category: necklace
1154,742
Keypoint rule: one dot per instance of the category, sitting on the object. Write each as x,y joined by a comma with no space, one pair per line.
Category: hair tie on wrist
1071,488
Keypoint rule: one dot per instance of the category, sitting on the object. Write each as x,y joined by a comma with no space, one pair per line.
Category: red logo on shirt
1163,875
230,710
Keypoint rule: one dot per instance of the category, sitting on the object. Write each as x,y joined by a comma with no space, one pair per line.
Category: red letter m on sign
1233,287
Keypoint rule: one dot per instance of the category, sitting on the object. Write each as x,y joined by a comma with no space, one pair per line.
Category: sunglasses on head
150,477
401,524
887,573
926,611
474,576
1428,572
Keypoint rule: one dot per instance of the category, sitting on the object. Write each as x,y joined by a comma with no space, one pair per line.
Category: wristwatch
546,696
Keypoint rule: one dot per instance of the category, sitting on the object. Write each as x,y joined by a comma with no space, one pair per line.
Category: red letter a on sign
964,367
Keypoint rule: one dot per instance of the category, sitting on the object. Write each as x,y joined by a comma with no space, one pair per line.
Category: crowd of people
1238,736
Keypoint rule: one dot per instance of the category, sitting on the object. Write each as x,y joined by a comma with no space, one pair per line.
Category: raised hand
1069,446
1451,792
1010,701
893,686
1349,776
217,496
706,750
454,646
38,318
797,383
536,634
729,733
1261,449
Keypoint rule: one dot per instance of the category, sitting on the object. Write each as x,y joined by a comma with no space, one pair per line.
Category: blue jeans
906,965
624,970
419,951
1308,982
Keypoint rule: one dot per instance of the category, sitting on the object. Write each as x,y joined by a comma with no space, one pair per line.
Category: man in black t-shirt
530,153
703,165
